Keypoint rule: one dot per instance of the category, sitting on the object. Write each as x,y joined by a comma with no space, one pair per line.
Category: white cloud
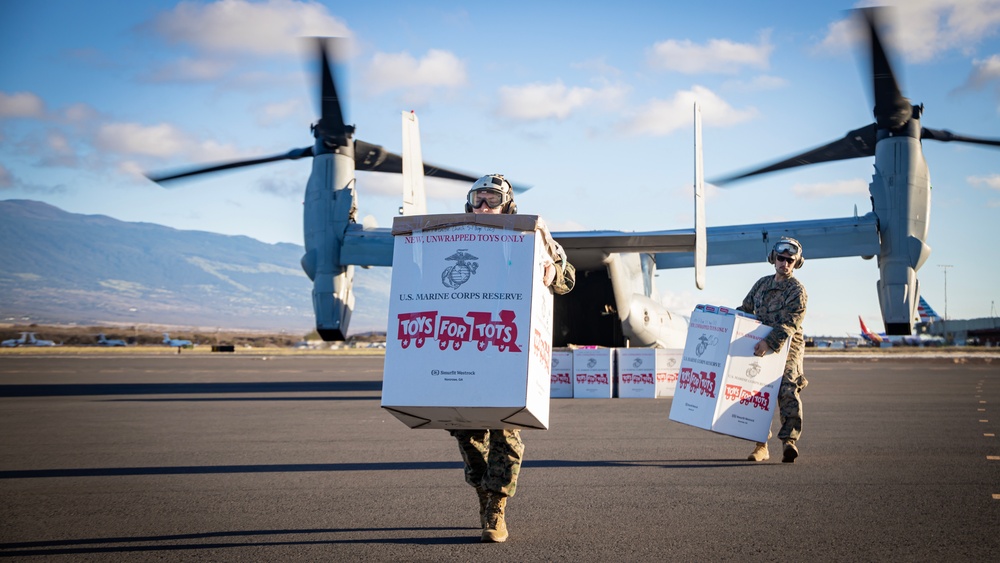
535,102
58,151
188,70
719,56
921,29
830,189
79,113
163,141
992,181
984,72
662,117
761,83
392,71
278,112
240,26
21,104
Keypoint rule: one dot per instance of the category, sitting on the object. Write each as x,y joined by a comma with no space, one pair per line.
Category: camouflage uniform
492,459
782,306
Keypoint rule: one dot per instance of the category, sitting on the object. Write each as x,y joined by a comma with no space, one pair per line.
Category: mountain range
58,267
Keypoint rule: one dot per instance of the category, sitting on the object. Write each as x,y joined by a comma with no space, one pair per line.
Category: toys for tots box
562,373
668,369
722,386
646,372
470,323
593,375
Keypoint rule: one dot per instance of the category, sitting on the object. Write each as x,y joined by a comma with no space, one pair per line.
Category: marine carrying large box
470,323
722,386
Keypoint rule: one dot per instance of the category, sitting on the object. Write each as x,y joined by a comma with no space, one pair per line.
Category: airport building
971,332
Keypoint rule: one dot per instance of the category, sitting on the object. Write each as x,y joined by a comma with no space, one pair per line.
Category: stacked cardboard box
562,373
593,373
646,372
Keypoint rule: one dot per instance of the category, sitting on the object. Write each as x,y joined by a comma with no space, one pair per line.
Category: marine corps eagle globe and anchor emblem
461,271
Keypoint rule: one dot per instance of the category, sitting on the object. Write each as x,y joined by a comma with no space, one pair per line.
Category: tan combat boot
484,501
495,530
790,453
759,453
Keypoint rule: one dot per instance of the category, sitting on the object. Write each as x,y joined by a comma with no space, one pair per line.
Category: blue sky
590,104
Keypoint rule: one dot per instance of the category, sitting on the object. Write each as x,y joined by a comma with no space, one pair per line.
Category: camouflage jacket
565,279
780,305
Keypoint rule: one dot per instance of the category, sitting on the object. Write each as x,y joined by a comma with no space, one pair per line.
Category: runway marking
983,420
989,435
981,410
982,402
996,497
993,457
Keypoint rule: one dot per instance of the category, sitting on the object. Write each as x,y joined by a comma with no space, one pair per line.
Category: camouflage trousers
790,406
492,458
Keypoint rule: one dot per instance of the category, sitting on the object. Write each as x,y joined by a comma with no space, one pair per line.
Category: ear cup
770,257
468,207
799,262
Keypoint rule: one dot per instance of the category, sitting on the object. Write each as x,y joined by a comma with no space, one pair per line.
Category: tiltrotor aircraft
896,229
615,300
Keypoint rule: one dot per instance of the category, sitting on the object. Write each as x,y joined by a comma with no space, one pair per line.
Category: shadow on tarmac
79,546
82,389
334,467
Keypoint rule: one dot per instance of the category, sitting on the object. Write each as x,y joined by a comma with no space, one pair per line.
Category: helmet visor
492,197
787,247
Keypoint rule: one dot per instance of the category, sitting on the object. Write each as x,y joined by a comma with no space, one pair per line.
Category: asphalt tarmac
291,458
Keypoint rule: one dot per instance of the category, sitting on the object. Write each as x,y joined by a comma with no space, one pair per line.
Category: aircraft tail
414,194
927,313
700,238
867,334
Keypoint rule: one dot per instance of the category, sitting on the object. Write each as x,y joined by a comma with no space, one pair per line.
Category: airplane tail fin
700,239
414,194
927,313
867,334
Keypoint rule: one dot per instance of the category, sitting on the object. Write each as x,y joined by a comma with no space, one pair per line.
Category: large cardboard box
593,373
668,369
723,387
646,372
562,373
470,323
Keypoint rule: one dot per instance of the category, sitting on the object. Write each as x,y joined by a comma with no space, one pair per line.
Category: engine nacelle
901,199
329,209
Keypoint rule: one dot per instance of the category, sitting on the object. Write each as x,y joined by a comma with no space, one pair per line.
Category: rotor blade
293,154
857,143
892,110
374,158
331,114
946,136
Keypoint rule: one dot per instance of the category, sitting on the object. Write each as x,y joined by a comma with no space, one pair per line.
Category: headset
494,182
787,246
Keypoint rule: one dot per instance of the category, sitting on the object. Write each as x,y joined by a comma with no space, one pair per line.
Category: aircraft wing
746,244
586,250
735,244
